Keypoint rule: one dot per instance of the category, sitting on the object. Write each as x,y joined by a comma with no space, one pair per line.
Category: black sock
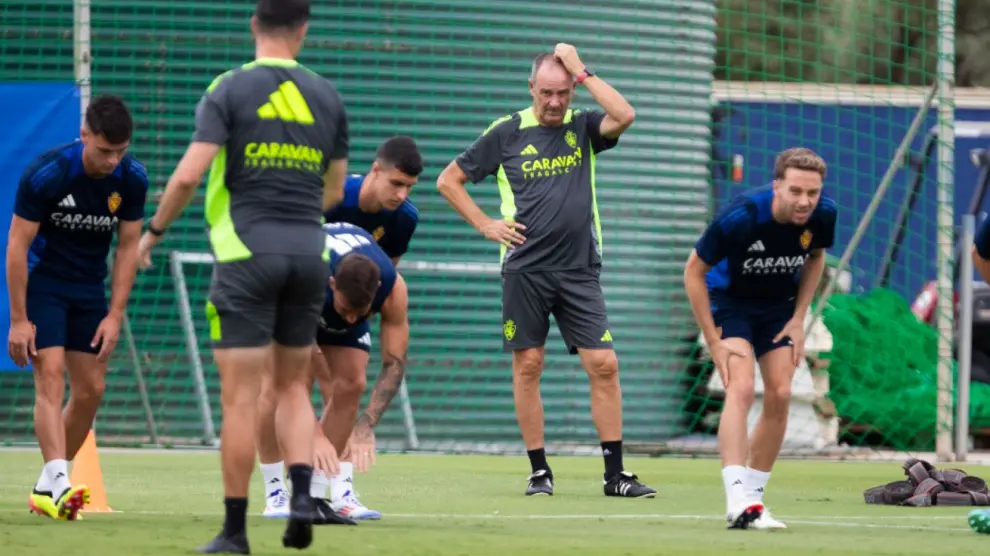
301,476
612,451
538,459
235,517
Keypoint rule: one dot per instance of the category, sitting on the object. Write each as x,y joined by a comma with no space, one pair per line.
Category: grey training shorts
573,297
267,297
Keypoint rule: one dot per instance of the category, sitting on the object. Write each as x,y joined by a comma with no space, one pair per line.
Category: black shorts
265,298
573,297
756,321
66,314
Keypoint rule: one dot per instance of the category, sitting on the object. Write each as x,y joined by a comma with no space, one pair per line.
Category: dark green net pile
883,371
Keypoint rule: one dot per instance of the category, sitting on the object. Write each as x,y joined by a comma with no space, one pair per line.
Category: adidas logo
607,337
530,150
288,105
67,202
758,247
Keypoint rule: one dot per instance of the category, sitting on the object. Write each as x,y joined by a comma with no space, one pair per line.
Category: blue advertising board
46,115
858,142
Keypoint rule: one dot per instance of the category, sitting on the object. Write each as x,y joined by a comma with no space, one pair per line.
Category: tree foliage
877,42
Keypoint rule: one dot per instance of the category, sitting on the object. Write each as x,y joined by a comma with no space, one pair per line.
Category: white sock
756,483
342,483
734,479
44,484
274,474
58,476
318,485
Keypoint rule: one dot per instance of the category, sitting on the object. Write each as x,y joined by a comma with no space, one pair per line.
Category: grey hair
538,63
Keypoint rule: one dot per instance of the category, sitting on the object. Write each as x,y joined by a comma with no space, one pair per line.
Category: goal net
719,88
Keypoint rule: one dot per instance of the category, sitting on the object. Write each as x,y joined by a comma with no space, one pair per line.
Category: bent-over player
379,203
68,204
750,280
275,138
543,158
363,282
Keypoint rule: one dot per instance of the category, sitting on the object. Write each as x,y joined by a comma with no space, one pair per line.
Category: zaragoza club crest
113,202
806,239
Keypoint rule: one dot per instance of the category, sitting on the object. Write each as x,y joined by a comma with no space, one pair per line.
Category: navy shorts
65,314
357,337
756,321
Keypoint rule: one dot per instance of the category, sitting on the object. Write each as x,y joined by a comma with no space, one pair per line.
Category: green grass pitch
442,505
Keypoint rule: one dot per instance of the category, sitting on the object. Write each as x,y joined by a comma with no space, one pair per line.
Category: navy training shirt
393,230
78,214
755,257
342,239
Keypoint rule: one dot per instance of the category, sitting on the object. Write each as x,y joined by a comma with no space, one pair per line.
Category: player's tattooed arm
395,346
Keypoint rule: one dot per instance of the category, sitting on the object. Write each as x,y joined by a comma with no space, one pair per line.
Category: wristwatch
155,231
585,74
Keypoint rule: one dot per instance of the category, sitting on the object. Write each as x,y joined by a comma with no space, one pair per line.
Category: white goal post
177,260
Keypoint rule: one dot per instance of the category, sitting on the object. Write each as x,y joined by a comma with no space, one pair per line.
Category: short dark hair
401,152
107,115
276,15
357,278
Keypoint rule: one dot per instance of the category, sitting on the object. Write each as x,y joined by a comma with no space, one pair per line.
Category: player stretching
378,203
544,158
69,203
276,136
750,280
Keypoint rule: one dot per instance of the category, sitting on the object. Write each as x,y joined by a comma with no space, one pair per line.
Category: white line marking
818,521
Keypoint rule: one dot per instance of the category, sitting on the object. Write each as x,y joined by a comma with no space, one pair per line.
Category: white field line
819,521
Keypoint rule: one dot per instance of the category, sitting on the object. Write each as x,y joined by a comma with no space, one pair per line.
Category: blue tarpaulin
45,115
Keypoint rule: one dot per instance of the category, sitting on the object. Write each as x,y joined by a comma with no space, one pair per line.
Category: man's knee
87,377
601,364
527,364
241,371
741,373
777,368
291,366
350,386
49,375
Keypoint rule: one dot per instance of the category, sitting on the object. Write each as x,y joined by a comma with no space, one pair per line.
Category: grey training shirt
546,179
279,125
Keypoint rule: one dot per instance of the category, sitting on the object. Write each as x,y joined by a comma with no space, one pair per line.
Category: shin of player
60,320
750,282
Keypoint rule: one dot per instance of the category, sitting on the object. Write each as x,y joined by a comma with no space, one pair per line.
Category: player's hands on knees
721,352
325,456
794,329
20,342
504,232
361,446
106,336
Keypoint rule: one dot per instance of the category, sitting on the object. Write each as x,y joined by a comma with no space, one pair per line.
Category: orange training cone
86,471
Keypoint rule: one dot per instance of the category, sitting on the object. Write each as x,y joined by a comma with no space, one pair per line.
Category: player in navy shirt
378,203
68,204
363,282
750,281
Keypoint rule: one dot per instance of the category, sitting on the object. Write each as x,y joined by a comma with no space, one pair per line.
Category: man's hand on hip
504,232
